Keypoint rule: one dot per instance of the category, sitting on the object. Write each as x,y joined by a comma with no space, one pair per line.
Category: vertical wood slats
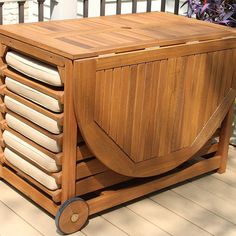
21,11
85,8
145,129
40,9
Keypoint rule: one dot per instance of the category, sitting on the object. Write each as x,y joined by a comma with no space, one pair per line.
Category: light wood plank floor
205,206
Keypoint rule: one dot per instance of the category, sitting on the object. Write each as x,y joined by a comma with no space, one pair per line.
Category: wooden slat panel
167,110
106,94
88,168
161,53
191,67
178,105
134,117
116,94
197,90
83,153
138,111
70,135
123,112
111,198
98,182
130,109
228,72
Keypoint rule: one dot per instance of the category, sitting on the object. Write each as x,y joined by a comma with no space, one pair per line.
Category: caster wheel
72,215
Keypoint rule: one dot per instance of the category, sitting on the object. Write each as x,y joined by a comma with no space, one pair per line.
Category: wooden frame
103,160
97,128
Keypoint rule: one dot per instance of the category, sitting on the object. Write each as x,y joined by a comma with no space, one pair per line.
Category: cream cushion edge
34,95
33,134
30,152
34,68
32,115
29,169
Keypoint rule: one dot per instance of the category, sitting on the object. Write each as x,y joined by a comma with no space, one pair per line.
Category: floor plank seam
224,182
150,222
205,208
21,218
181,216
211,192
147,220
115,225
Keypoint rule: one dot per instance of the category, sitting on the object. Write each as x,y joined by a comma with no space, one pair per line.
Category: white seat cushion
29,169
30,152
33,134
34,68
34,95
32,115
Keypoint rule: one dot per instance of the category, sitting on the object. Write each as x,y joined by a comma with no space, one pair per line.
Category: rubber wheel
72,215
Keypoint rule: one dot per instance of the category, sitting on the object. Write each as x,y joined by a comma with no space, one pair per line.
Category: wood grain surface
142,116
75,38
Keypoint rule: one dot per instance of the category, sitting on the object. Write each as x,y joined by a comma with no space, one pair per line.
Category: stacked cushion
33,134
32,115
25,156
34,95
33,68
30,152
29,169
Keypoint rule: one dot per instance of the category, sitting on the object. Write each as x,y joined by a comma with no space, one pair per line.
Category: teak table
147,103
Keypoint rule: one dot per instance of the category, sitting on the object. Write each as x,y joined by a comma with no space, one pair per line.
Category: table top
88,37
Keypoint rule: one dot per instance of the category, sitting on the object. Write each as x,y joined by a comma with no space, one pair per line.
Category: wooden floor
205,206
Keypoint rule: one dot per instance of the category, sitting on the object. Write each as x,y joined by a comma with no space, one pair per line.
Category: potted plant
215,11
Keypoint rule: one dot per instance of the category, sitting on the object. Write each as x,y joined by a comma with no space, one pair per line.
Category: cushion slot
30,152
33,134
34,95
29,169
33,115
34,68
